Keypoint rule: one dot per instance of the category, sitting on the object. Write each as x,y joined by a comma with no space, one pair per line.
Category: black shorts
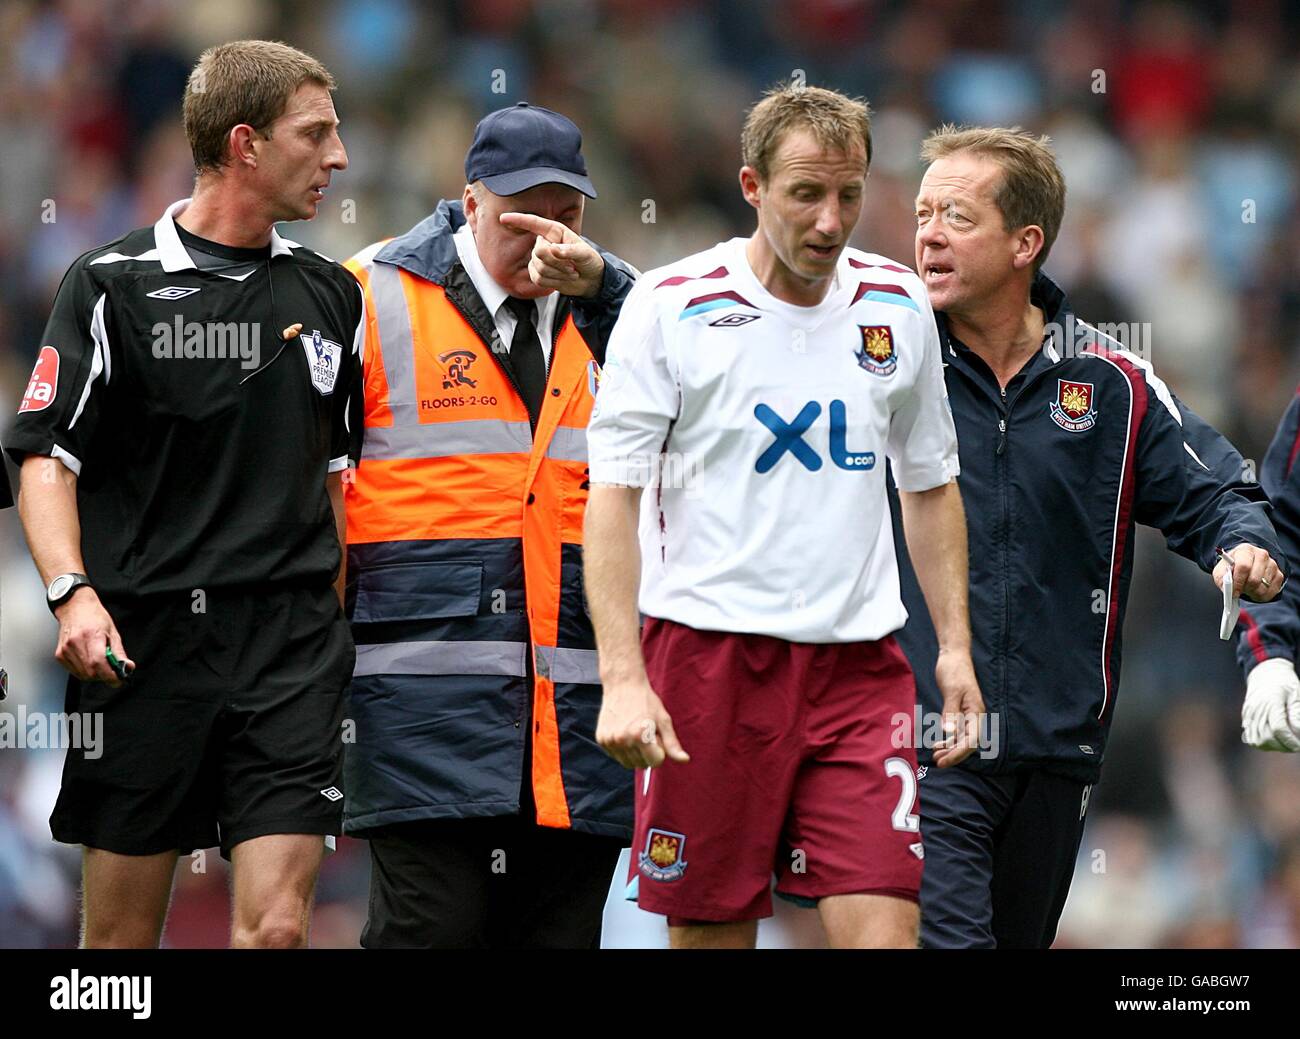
230,727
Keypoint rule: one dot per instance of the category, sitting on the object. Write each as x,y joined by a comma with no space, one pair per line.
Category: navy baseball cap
517,148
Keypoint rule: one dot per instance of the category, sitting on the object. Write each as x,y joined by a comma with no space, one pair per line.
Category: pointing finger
538,225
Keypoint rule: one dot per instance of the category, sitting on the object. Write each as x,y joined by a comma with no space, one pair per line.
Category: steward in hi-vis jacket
494,817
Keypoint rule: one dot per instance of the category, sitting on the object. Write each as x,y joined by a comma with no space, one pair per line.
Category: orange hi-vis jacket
475,651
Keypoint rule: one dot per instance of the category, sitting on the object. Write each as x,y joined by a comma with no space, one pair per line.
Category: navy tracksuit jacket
1056,470
1273,629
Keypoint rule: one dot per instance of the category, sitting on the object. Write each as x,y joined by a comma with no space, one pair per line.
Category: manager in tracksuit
1269,633
1066,442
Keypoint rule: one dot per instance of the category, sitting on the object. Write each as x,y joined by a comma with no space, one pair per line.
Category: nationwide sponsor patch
662,858
323,358
1073,408
877,354
44,382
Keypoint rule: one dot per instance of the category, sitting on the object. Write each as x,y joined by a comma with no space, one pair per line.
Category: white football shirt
760,430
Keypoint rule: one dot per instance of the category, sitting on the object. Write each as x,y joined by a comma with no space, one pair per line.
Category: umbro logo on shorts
172,292
332,792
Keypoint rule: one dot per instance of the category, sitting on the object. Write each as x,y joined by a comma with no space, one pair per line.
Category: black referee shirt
200,437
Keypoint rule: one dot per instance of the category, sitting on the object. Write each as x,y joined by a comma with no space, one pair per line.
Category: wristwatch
62,587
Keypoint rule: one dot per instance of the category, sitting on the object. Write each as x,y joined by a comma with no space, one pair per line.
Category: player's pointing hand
562,261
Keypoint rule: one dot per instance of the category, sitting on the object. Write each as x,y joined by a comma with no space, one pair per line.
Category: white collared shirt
494,296
172,253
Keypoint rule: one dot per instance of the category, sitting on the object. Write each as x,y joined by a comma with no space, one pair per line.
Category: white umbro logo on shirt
917,849
172,292
332,792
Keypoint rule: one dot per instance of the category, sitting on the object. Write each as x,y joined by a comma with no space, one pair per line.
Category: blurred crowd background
1176,125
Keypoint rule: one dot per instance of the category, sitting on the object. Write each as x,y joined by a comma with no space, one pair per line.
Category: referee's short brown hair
834,119
1032,189
247,81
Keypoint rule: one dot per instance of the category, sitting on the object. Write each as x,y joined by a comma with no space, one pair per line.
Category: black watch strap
62,587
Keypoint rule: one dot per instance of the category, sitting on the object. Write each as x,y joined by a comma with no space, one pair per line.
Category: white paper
1231,608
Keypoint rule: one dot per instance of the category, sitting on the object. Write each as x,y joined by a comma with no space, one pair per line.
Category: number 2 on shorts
904,818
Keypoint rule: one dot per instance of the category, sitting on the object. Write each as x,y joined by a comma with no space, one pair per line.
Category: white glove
1270,717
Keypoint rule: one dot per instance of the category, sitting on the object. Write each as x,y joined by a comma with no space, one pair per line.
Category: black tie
526,356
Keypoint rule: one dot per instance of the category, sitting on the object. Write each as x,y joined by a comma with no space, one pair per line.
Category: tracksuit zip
1005,406
1005,493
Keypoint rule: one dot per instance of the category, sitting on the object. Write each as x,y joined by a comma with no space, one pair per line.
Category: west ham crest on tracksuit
1073,409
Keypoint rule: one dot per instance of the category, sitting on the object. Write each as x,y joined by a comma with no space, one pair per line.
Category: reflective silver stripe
395,343
441,658
568,665
568,444
438,439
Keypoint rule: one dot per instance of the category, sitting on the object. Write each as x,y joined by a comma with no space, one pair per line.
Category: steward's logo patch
1073,408
323,357
44,382
455,366
877,354
661,859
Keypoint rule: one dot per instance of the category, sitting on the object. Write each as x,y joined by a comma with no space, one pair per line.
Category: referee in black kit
182,442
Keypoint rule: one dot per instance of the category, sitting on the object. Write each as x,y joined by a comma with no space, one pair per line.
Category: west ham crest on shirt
877,354
1073,408
323,357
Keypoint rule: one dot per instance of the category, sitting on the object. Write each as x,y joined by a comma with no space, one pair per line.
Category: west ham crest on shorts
323,357
877,354
1072,409
662,857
